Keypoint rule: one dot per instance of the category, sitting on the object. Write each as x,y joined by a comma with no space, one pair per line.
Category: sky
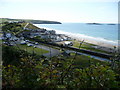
86,11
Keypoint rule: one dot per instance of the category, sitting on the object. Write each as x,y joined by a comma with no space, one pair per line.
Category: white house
50,32
49,36
68,43
14,38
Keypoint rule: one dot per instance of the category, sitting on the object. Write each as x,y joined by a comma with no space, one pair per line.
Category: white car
36,43
27,40
29,44
22,42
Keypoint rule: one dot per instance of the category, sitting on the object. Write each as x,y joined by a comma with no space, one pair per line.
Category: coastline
88,39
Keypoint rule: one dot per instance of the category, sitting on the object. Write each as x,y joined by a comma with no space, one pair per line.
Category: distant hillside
30,21
94,23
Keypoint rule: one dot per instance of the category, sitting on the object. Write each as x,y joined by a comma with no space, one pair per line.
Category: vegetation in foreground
23,70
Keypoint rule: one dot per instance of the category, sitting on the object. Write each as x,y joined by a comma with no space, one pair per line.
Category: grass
31,26
55,47
23,24
3,20
82,61
0,49
88,46
1,41
37,51
85,45
1,25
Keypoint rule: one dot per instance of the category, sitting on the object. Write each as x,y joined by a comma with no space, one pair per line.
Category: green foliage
22,76
57,73
95,76
54,72
11,55
31,26
115,62
39,38
12,28
28,70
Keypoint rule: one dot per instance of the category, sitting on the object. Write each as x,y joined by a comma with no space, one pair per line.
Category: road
26,25
92,56
55,52
52,52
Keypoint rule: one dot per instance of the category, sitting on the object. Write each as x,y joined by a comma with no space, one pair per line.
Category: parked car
22,42
16,39
29,44
36,43
27,40
10,44
5,43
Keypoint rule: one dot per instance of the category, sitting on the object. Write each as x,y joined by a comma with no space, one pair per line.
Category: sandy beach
101,43
94,41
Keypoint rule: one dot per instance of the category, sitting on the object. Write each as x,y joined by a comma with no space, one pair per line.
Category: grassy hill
30,21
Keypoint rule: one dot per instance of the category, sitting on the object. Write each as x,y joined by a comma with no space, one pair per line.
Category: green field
88,46
82,61
30,49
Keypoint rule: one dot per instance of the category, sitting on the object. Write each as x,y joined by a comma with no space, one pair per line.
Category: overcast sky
101,11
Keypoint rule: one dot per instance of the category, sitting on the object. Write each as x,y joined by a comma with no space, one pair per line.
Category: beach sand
102,44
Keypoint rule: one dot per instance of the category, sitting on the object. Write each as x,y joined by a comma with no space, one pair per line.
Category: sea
104,33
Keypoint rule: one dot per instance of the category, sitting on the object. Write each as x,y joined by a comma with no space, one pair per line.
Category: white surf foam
94,40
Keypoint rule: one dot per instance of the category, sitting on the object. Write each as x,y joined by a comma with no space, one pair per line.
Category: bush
21,70
57,74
